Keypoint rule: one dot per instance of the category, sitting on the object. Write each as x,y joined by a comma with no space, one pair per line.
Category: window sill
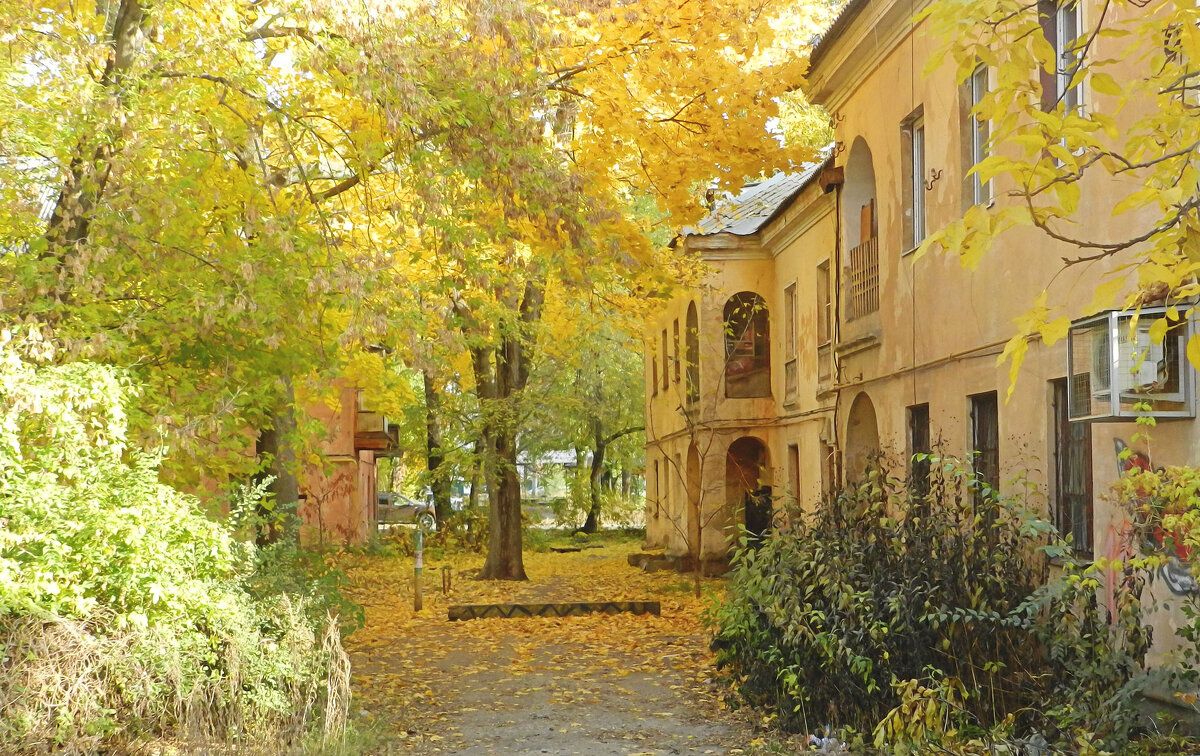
1079,560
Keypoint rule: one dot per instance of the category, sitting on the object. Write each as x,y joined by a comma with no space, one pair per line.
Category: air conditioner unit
1117,372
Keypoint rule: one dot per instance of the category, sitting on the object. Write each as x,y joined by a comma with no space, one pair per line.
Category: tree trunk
476,466
275,446
599,447
435,456
626,482
504,558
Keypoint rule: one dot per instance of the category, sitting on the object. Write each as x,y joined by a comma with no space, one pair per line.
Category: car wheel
427,522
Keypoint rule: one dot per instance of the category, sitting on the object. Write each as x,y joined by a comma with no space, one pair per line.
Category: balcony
862,280
373,431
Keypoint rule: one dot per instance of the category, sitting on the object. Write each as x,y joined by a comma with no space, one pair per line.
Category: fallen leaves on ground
419,677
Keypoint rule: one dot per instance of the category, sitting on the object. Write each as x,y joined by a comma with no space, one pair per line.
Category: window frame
920,441
913,164
1067,514
678,357
985,460
977,87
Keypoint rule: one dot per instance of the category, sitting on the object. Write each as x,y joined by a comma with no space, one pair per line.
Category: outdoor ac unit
1117,372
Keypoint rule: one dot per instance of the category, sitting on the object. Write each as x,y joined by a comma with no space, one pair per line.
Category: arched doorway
862,437
748,485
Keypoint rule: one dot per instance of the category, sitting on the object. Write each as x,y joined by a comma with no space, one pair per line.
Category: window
653,371
981,192
985,440
794,471
666,368
824,305
1072,474
1060,25
665,494
918,443
747,346
829,468
789,301
692,339
678,361
824,325
913,137
657,490
790,368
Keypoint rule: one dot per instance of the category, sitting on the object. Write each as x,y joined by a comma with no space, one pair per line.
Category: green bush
125,613
920,613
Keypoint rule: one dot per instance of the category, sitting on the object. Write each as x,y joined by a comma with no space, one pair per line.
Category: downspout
836,330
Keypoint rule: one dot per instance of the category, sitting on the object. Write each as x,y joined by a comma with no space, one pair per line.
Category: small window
1060,25
913,137
653,370
985,440
794,471
791,371
918,443
666,368
789,302
824,305
678,361
1072,474
657,490
692,339
980,128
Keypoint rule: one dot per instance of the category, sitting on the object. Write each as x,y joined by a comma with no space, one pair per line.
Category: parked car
394,507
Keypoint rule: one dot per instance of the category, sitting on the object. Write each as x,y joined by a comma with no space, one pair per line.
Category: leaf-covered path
616,684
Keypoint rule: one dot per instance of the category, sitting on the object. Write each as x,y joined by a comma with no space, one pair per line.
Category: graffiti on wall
1175,571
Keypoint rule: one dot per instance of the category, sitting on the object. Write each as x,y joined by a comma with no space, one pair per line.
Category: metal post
418,566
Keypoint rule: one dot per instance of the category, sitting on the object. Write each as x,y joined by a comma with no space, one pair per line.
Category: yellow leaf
1193,351
1105,294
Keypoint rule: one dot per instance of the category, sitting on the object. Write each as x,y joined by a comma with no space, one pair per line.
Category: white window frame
791,329
1066,63
917,146
981,191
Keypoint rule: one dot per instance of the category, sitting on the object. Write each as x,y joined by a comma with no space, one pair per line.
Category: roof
825,41
756,205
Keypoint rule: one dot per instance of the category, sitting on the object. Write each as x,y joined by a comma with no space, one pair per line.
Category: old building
819,338
338,491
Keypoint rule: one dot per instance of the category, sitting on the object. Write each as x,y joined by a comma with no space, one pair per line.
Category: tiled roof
755,205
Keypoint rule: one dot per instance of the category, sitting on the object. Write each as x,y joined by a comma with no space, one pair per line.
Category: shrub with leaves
125,613
919,613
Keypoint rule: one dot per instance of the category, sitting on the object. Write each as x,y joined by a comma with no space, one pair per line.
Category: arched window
747,346
692,340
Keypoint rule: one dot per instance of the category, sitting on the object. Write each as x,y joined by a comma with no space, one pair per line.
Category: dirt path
595,685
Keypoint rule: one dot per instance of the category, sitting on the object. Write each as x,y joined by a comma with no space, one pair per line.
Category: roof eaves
849,12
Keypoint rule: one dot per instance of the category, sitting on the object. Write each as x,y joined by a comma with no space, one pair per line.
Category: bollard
418,565
446,580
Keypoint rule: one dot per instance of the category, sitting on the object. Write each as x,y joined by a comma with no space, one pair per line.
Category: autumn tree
234,194
1115,106
589,387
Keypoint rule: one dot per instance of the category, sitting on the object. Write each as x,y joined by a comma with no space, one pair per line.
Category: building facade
819,338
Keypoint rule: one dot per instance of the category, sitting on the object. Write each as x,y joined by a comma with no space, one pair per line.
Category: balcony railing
863,279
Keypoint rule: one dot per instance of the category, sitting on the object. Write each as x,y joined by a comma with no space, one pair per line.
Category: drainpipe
835,339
